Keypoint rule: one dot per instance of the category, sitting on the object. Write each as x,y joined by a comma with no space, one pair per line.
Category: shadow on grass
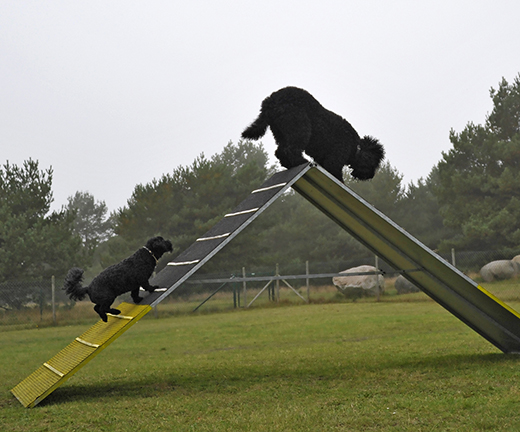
460,361
241,378
110,392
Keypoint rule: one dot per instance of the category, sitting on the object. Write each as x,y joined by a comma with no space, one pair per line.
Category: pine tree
479,178
34,242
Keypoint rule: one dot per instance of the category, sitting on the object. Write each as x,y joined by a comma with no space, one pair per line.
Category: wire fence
42,302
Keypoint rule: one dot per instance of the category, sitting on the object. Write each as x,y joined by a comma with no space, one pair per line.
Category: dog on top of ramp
299,123
128,275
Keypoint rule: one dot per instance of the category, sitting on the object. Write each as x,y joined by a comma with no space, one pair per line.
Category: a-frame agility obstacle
453,290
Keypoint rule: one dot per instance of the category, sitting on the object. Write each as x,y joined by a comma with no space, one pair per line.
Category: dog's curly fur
128,275
300,123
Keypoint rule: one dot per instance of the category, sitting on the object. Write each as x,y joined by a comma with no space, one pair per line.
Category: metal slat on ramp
77,354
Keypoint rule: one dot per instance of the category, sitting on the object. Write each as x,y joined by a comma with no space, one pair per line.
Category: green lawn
362,366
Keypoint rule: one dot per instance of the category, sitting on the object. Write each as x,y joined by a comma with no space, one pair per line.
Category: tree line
470,200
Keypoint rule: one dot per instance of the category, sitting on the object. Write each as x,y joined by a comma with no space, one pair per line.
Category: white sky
114,93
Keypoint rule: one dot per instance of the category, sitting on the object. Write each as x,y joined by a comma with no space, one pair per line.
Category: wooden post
453,257
53,299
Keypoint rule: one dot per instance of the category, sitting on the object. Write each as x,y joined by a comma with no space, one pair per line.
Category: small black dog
128,275
299,123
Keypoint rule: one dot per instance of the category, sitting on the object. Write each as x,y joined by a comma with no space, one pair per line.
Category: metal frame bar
453,290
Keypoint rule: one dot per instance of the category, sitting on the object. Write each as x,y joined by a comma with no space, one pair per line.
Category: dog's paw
137,299
152,288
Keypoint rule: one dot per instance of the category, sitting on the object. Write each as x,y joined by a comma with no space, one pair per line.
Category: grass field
364,366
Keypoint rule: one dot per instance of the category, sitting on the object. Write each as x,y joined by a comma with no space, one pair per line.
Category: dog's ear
151,242
368,158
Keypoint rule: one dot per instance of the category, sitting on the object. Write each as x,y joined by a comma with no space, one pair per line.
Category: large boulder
360,285
501,269
404,286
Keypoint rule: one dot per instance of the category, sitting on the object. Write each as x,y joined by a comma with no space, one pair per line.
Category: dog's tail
257,129
368,158
72,284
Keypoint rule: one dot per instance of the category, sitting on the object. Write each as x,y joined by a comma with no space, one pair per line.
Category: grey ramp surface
453,290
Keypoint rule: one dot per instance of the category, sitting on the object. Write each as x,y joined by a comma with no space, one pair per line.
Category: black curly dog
128,275
299,123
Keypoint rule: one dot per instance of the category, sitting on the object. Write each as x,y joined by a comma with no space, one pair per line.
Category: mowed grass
363,366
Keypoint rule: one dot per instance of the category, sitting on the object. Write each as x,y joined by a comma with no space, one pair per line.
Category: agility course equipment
77,354
457,293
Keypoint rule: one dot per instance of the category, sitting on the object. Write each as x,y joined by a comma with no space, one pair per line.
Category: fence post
245,285
53,299
376,262
277,294
307,280
41,299
155,311
453,257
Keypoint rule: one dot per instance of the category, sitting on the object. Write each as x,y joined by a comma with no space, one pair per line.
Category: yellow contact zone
47,378
500,302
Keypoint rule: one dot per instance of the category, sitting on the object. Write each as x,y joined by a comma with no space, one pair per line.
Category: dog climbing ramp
84,348
457,293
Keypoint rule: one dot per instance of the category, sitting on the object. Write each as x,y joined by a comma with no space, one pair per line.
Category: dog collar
151,253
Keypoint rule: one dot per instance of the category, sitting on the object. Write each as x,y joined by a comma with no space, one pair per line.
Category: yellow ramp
84,348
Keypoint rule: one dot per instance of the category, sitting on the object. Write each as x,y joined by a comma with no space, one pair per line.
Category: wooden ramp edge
53,373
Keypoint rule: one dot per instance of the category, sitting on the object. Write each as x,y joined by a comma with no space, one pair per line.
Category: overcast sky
115,93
